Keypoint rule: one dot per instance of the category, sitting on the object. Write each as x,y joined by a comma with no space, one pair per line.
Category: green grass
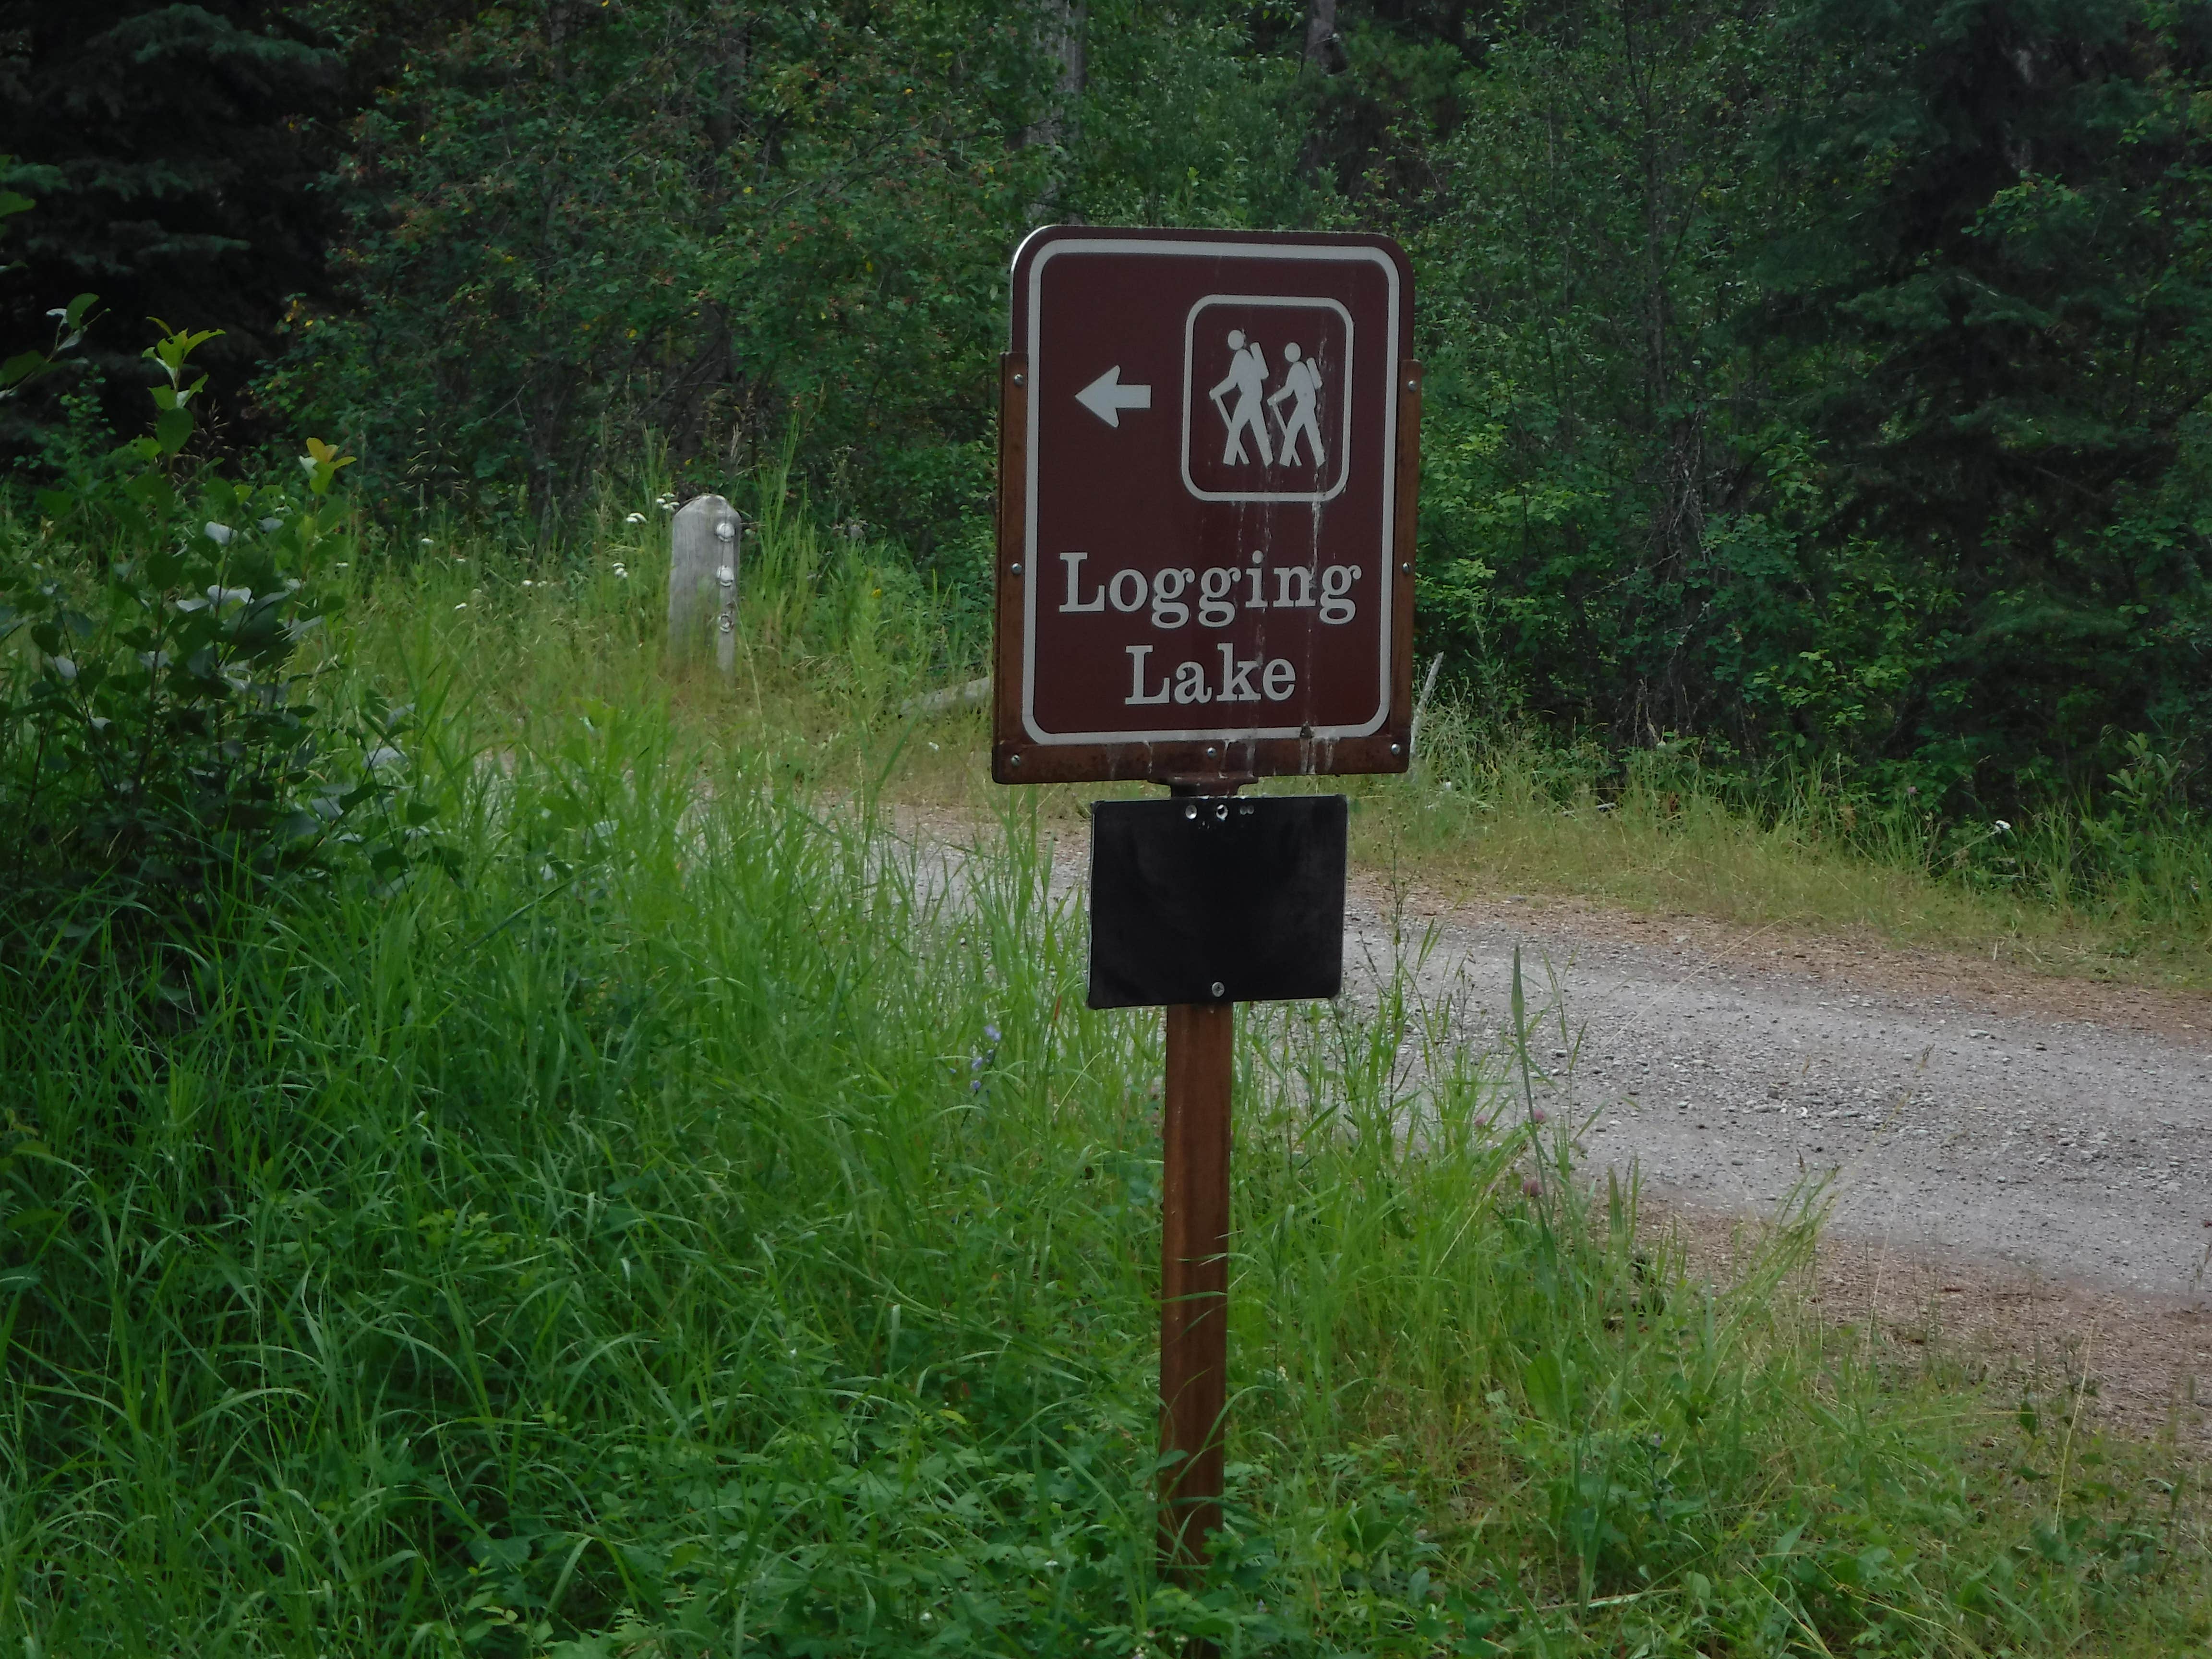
837,635
689,1231
2055,892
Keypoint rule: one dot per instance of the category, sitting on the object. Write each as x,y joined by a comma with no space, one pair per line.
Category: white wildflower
634,518
219,534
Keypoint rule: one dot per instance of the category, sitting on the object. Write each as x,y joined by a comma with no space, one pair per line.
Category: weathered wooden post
1194,1278
702,581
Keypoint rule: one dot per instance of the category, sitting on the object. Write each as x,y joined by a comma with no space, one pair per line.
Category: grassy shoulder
1495,819
1489,813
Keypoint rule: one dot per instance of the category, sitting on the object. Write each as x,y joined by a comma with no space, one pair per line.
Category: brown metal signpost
1209,450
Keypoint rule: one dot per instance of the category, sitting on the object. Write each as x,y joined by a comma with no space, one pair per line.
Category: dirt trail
2023,1164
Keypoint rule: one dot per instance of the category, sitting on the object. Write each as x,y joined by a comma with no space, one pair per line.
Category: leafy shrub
157,764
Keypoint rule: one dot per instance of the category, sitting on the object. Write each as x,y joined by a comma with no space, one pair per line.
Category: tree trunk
1324,55
1061,37
1324,51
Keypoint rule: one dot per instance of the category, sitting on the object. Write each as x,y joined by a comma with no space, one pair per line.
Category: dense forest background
1819,381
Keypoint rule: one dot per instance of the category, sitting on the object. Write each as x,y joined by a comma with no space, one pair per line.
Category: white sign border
1034,582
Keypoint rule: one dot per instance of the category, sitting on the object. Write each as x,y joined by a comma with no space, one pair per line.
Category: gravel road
1729,1068
2041,1145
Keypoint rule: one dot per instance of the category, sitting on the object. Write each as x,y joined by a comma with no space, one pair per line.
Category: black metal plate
1216,899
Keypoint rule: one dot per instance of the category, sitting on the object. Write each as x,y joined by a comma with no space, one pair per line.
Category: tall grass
709,1224
2121,891
835,630
839,632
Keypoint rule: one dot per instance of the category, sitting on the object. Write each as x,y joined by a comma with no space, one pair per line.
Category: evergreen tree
2002,312
174,152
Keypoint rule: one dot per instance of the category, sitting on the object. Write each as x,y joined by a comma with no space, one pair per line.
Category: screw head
1210,752
1405,567
1412,384
1017,569
1397,749
1013,760
1217,987
1017,379
1190,812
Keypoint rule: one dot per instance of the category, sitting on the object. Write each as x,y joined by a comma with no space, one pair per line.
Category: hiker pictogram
1302,384
1267,397
1248,379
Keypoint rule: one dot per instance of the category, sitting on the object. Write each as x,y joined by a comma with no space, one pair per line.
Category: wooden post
703,542
1194,1279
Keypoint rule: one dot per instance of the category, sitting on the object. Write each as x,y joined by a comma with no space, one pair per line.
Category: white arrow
1106,396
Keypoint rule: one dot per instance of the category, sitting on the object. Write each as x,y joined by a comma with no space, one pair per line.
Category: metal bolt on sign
1208,466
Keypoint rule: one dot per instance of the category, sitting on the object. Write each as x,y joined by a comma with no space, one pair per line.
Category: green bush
158,764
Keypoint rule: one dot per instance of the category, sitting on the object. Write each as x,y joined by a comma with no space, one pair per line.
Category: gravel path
2021,1164
1949,1125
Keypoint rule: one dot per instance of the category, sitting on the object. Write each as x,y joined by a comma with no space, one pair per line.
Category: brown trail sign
1209,452
1207,475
